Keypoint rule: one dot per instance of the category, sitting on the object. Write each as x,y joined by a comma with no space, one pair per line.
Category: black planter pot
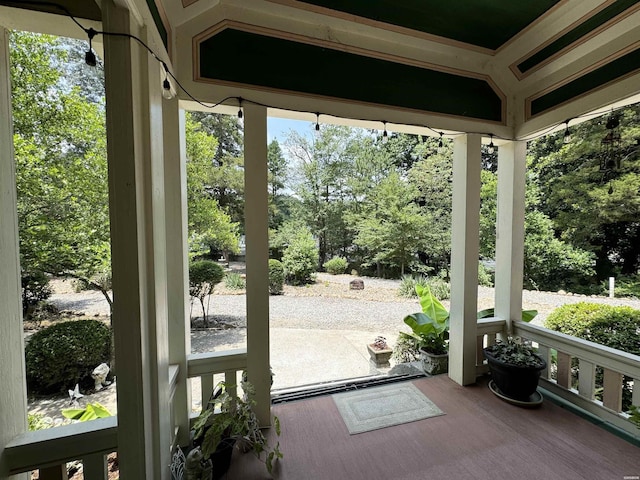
221,458
515,381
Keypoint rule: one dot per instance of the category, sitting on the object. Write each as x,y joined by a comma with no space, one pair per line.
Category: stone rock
357,284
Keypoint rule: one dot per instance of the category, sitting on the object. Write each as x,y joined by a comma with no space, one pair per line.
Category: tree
61,166
210,227
204,275
593,210
392,228
277,165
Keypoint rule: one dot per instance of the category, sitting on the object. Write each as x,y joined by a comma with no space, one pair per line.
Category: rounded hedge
59,356
276,277
336,266
615,327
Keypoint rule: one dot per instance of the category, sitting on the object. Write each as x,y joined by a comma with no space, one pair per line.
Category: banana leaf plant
429,328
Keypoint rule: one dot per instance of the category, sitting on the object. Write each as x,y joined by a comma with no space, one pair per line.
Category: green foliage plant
37,421
429,328
336,266
231,417
613,326
276,277
300,259
92,411
408,284
234,281
66,353
514,351
204,275
35,289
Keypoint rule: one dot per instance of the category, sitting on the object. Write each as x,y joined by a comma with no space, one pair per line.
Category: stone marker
357,284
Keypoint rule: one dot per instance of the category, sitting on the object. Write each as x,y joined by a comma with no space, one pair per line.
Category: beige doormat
379,407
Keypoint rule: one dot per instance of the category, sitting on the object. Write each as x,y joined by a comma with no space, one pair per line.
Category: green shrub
204,275
625,286
59,356
37,421
300,259
439,287
234,281
485,278
276,277
35,289
615,327
336,266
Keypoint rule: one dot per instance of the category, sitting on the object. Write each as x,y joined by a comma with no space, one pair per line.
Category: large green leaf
431,306
425,326
527,315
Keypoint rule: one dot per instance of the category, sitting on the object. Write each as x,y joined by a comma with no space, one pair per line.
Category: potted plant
515,368
379,351
429,332
228,421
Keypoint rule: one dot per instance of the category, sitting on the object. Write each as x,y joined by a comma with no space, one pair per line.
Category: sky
278,128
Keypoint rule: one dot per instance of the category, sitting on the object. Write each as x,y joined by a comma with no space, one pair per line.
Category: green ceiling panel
237,56
486,23
157,19
576,34
624,65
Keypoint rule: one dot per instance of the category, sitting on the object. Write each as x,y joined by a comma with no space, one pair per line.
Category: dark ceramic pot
514,381
221,458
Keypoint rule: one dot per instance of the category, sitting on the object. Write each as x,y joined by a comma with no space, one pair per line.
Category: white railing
614,363
206,365
49,450
488,329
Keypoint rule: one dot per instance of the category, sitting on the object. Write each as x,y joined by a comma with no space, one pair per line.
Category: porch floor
480,437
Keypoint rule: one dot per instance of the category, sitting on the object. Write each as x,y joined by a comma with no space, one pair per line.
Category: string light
89,56
90,59
240,107
167,93
610,191
385,135
567,133
492,147
317,132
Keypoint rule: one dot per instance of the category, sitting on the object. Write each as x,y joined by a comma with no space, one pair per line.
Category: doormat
385,406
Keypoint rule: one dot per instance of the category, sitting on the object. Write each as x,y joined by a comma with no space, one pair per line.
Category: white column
257,239
510,231
13,392
465,221
138,243
175,181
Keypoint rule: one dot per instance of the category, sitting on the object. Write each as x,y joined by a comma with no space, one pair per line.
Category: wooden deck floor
480,437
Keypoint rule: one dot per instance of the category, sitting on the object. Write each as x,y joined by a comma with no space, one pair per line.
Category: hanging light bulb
385,135
240,107
492,147
610,191
317,131
441,144
167,93
567,133
89,56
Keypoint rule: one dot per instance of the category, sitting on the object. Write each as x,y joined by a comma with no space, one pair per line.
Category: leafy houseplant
515,368
429,332
229,420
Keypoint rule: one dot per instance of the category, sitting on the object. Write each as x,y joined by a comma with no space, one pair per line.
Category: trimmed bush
234,281
35,289
59,356
300,259
204,275
336,266
615,327
276,277
439,287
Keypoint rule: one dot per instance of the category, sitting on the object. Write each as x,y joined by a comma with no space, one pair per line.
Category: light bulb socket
567,136
491,148
166,89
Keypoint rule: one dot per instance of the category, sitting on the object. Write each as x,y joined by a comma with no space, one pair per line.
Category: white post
138,244
175,180
13,393
257,239
612,287
465,221
510,231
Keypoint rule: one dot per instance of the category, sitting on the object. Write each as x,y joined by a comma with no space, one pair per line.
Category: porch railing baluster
564,370
612,390
586,379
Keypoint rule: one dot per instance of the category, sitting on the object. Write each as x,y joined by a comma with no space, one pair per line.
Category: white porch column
13,391
465,222
138,244
175,181
510,231
257,240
